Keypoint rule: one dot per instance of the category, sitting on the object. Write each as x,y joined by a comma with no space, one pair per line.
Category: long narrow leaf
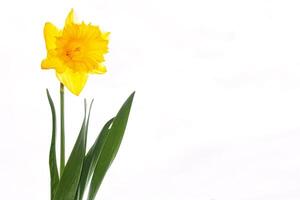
83,166
70,178
91,159
111,147
88,120
52,154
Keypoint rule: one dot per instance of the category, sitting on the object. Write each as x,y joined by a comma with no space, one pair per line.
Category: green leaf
54,178
110,147
91,159
88,120
68,184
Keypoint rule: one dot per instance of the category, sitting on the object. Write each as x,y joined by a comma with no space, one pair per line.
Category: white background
217,108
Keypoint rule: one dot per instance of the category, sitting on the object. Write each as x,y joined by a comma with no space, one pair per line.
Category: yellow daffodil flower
74,52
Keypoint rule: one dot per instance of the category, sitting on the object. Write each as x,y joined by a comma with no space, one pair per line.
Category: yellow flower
75,52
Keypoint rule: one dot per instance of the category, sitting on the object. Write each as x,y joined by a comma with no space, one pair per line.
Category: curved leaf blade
111,147
91,159
68,184
54,178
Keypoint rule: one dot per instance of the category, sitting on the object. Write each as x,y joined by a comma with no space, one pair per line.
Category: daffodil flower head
75,52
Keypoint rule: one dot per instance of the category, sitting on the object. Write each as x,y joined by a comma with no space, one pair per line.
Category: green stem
62,130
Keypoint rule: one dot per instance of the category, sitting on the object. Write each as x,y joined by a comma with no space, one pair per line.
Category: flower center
72,50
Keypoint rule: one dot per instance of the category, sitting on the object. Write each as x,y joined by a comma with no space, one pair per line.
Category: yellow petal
47,64
101,69
52,62
74,81
70,18
50,34
106,35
